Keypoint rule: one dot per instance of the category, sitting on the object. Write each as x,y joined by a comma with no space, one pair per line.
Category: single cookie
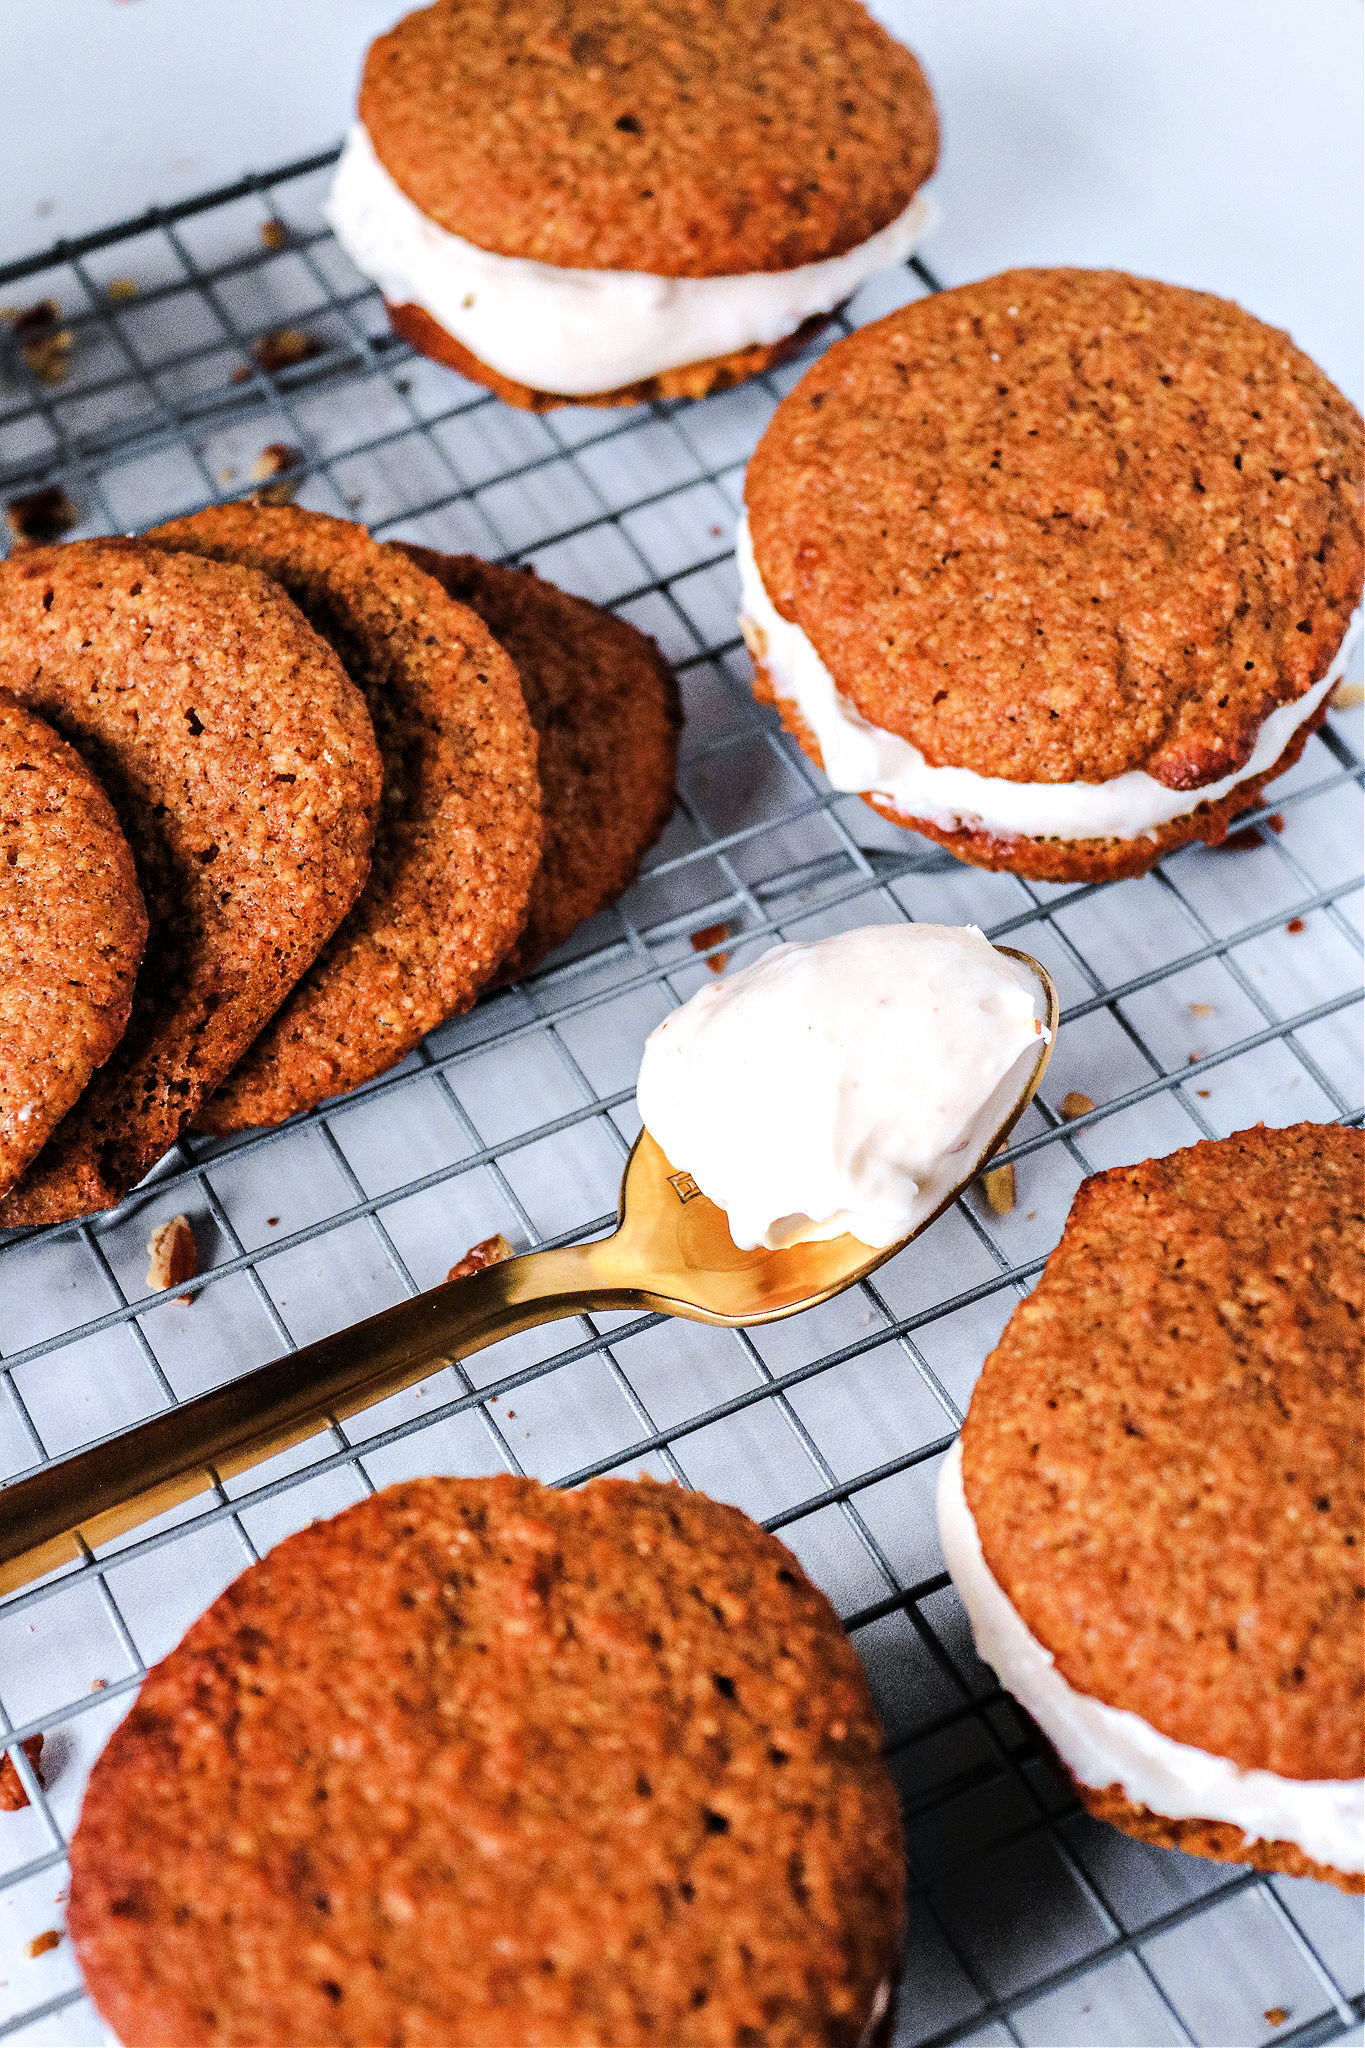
607,714
482,1763
72,929
459,828
242,766
578,204
1055,567
1162,1464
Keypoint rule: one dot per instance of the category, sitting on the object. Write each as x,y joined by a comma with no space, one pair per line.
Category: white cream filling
901,1049
861,757
581,331
1103,1745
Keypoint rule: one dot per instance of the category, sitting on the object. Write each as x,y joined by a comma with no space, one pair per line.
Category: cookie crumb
1276,822
1294,925
98,1684
281,349
41,1943
43,342
1276,2015
12,1792
274,234
285,464
489,1251
272,1221
174,1257
120,288
39,518
1200,1009
1075,1104
1240,842
1346,696
1000,1189
711,935
1203,1092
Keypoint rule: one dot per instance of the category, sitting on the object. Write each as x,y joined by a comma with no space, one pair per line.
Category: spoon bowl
671,1251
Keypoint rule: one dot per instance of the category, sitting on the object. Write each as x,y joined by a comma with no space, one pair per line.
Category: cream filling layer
581,331
1103,1745
862,758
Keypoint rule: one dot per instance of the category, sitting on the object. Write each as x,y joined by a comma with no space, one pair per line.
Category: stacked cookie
304,824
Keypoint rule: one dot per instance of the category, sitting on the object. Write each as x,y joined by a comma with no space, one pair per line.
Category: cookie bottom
1218,1840
1063,860
690,380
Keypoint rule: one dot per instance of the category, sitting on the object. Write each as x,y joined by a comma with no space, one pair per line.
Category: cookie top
1163,1453
701,138
459,828
241,763
1066,523
72,930
606,711
481,1762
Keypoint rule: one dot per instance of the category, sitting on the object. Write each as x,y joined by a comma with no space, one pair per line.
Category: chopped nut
1346,696
12,1793
40,517
1076,1104
280,350
44,343
1200,1009
490,1251
1276,2015
277,459
1294,925
711,935
41,1943
274,234
121,288
173,1255
1000,1189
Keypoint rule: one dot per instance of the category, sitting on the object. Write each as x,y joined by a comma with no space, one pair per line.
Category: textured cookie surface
1163,1454
72,929
695,139
605,708
1063,860
1062,524
242,766
459,828
480,1765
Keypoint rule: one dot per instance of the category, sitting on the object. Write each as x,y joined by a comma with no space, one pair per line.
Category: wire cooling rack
1223,989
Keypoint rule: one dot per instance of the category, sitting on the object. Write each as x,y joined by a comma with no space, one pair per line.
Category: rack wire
1222,989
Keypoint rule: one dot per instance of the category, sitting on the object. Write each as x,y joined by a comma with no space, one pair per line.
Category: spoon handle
48,1518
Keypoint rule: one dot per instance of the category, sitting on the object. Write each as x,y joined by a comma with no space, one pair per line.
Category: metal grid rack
1222,989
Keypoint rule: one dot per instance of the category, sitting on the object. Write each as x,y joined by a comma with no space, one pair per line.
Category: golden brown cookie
486,1765
459,829
72,929
606,711
241,764
702,138
1163,1461
1062,525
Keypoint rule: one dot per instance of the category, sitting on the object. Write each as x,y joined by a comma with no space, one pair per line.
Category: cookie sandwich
1154,1514
568,202
485,1764
1058,568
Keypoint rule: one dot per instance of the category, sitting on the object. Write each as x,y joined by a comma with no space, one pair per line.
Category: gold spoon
670,1251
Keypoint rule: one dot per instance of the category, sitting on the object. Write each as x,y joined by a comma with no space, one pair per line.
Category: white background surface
1209,142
